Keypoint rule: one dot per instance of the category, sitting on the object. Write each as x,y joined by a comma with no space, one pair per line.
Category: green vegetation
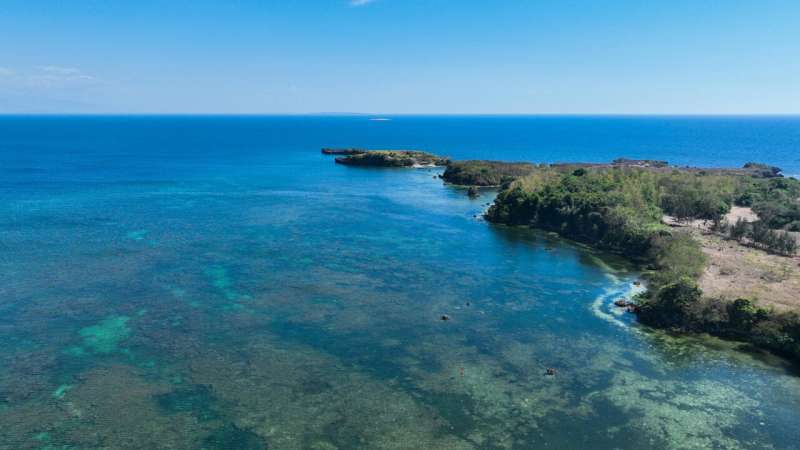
620,209
689,196
775,200
674,257
392,158
485,173
614,209
681,306
671,305
760,235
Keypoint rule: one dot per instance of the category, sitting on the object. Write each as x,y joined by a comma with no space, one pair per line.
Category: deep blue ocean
218,283
172,148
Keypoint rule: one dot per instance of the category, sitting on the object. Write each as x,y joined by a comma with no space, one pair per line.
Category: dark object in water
550,371
637,283
445,317
622,303
197,399
469,304
472,192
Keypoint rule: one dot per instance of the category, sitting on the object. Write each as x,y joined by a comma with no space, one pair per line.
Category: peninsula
717,246
681,225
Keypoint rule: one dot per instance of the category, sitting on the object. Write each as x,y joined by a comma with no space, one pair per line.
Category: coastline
673,261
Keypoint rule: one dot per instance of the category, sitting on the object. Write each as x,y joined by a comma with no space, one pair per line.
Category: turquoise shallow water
219,284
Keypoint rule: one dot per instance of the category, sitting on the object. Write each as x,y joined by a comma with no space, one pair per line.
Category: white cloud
58,70
58,76
361,2
47,77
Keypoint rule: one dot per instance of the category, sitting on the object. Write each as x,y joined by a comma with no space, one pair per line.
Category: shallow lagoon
281,301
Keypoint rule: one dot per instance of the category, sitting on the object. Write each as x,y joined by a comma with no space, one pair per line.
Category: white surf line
604,302
600,301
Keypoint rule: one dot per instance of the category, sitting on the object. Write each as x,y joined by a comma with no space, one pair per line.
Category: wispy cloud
58,76
47,77
58,70
356,3
49,89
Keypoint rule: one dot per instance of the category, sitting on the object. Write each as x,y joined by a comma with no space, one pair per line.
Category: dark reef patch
231,437
197,399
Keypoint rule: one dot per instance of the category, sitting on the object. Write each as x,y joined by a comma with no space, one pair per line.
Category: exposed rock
625,162
763,170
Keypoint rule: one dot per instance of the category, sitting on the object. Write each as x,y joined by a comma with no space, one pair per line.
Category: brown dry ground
737,271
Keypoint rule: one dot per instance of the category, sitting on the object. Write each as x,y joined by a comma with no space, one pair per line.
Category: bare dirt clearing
735,270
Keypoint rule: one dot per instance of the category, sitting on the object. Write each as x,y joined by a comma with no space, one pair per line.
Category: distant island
717,246
385,158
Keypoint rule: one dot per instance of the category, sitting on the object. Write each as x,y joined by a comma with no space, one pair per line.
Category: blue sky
400,56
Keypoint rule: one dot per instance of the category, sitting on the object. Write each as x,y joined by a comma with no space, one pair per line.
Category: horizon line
385,114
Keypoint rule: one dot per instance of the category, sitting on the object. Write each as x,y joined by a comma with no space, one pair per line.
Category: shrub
688,196
672,305
675,256
775,200
743,315
761,236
